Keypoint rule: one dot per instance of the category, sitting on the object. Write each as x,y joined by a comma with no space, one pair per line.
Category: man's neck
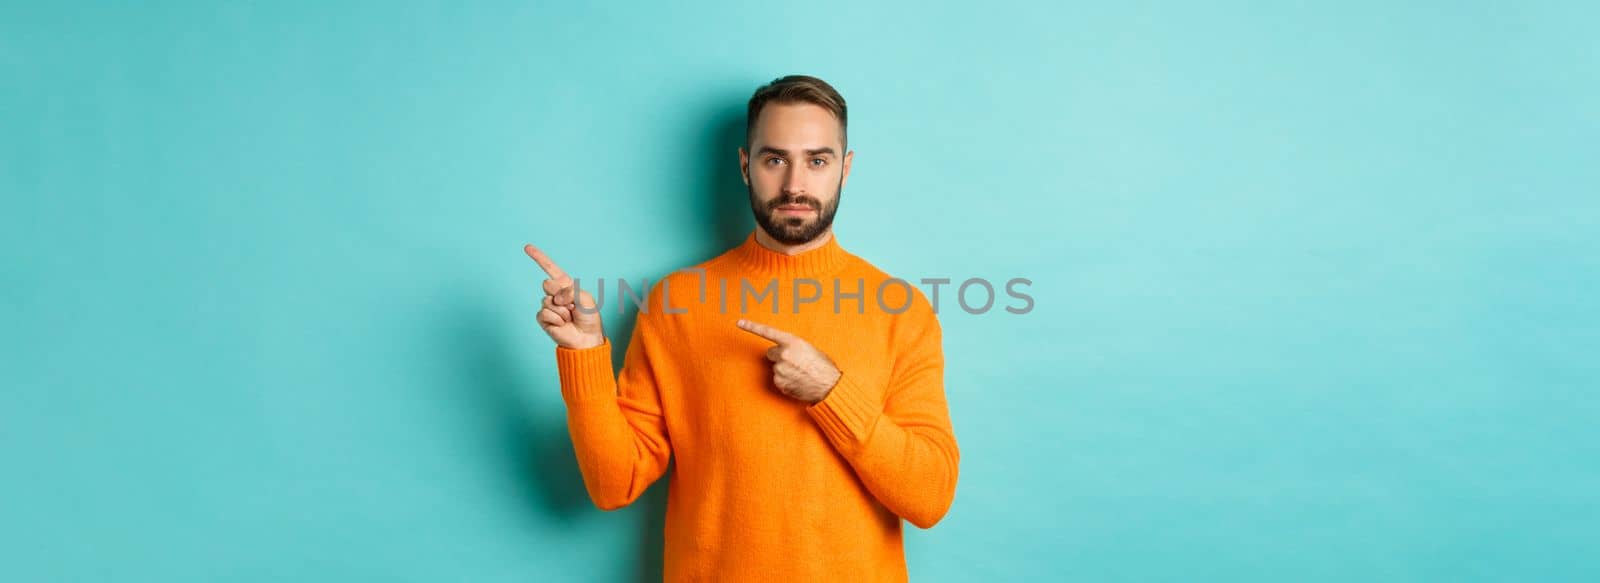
767,241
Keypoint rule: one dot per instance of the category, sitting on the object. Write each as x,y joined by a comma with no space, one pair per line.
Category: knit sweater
766,487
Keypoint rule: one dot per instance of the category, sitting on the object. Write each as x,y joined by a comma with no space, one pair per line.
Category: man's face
795,170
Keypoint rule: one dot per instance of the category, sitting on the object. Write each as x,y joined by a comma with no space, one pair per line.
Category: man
804,402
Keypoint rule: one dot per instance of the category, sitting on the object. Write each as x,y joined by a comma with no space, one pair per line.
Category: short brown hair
797,89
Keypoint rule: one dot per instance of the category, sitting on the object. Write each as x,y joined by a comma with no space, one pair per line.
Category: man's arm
615,421
905,450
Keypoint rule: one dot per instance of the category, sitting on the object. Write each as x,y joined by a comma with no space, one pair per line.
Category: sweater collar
752,256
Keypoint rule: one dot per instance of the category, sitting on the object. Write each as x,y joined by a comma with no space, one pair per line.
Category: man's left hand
799,370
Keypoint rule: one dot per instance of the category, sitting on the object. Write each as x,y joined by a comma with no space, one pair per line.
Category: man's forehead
796,127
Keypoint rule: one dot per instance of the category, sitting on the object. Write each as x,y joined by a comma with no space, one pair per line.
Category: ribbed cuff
848,414
586,373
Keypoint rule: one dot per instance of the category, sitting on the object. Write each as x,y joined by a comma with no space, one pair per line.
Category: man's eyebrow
772,150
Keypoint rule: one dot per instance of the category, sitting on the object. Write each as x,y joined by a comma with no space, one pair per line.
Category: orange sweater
767,487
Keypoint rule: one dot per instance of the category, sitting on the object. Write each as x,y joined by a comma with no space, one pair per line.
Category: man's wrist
587,344
829,391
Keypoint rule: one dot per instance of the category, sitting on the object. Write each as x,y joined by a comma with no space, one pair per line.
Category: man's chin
790,233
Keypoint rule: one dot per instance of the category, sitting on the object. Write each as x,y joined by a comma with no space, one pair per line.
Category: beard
794,230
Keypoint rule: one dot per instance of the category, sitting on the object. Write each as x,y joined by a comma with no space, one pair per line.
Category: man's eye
818,161
771,161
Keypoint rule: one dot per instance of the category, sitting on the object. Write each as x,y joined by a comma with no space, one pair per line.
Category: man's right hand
560,317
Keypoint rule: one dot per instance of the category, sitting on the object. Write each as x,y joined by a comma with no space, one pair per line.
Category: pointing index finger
549,266
768,332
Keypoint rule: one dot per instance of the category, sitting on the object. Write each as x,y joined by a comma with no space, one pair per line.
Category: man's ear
744,165
848,156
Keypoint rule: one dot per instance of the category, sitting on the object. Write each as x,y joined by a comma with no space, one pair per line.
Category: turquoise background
1315,283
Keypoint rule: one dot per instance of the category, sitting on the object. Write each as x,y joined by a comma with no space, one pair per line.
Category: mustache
784,200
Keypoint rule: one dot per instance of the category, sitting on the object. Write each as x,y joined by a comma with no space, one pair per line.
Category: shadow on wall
529,442
723,217
534,443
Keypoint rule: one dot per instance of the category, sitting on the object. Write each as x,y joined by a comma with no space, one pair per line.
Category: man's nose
792,183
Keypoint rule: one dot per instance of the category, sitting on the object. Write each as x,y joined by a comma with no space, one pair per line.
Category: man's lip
794,208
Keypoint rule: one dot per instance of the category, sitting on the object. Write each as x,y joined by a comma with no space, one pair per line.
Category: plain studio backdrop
1315,284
